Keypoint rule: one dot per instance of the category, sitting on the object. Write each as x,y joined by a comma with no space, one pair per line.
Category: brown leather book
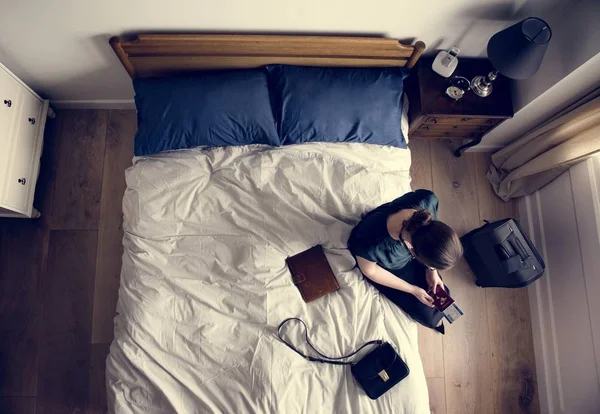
312,274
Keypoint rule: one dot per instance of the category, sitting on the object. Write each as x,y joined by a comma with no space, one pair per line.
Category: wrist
413,290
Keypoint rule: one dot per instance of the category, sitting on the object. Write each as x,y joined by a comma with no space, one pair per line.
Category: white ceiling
60,47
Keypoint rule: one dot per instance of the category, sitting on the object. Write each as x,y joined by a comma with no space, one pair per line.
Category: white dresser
22,120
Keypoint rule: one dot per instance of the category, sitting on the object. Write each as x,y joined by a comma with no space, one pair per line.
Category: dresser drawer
9,107
9,102
20,182
455,120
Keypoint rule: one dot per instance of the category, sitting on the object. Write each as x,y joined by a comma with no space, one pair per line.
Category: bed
204,282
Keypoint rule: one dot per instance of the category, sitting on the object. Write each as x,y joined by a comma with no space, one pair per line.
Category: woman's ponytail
434,243
420,218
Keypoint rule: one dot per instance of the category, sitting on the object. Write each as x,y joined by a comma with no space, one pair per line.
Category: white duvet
204,282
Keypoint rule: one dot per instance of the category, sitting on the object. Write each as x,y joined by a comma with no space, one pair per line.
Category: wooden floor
59,277
485,362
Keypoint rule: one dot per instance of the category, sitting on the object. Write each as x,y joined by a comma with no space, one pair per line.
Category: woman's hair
435,244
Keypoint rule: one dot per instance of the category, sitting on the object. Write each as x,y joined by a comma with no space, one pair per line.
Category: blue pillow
216,108
338,104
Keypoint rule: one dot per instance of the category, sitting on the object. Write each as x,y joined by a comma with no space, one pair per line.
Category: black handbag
376,373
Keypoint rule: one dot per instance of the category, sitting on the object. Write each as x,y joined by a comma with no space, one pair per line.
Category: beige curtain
541,155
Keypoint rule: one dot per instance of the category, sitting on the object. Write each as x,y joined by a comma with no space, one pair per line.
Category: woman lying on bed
400,246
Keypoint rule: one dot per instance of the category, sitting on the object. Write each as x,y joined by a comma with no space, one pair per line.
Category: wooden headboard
164,54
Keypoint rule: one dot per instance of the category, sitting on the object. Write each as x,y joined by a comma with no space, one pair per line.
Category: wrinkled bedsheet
204,282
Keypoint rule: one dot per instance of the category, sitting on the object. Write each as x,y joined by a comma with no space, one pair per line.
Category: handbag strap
328,360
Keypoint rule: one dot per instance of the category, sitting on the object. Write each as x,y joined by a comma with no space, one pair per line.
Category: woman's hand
433,279
423,297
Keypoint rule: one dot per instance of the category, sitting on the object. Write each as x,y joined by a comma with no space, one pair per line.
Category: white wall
60,47
575,40
570,89
563,220
570,70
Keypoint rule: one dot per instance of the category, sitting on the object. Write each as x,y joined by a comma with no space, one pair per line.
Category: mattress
204,282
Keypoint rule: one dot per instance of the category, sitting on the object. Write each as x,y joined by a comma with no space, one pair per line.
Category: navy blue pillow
338,104
216,108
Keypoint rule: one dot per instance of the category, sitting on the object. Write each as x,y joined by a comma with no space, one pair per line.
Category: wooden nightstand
433,114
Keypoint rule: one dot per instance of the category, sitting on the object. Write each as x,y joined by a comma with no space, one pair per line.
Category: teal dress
371,240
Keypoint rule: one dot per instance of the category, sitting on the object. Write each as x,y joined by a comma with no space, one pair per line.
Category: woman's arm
379,275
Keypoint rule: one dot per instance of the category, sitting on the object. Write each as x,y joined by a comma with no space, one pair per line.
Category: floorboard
118,156
108,272
437,395
97,379
67,320
466,344
22,257
17,405
430,341
80,162
420,168
44,189
511,347
122,125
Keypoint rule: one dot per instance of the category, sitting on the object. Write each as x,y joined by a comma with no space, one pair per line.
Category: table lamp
516,52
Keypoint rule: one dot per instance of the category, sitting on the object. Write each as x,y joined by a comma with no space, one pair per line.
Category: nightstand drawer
455,120
456,130
453,133
455,127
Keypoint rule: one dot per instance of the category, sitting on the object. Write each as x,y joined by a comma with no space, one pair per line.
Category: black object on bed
377,372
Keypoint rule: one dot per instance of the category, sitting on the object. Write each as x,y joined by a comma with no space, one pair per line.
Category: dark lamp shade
517,51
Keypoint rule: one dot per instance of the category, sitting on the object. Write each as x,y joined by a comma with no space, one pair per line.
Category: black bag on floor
501,255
